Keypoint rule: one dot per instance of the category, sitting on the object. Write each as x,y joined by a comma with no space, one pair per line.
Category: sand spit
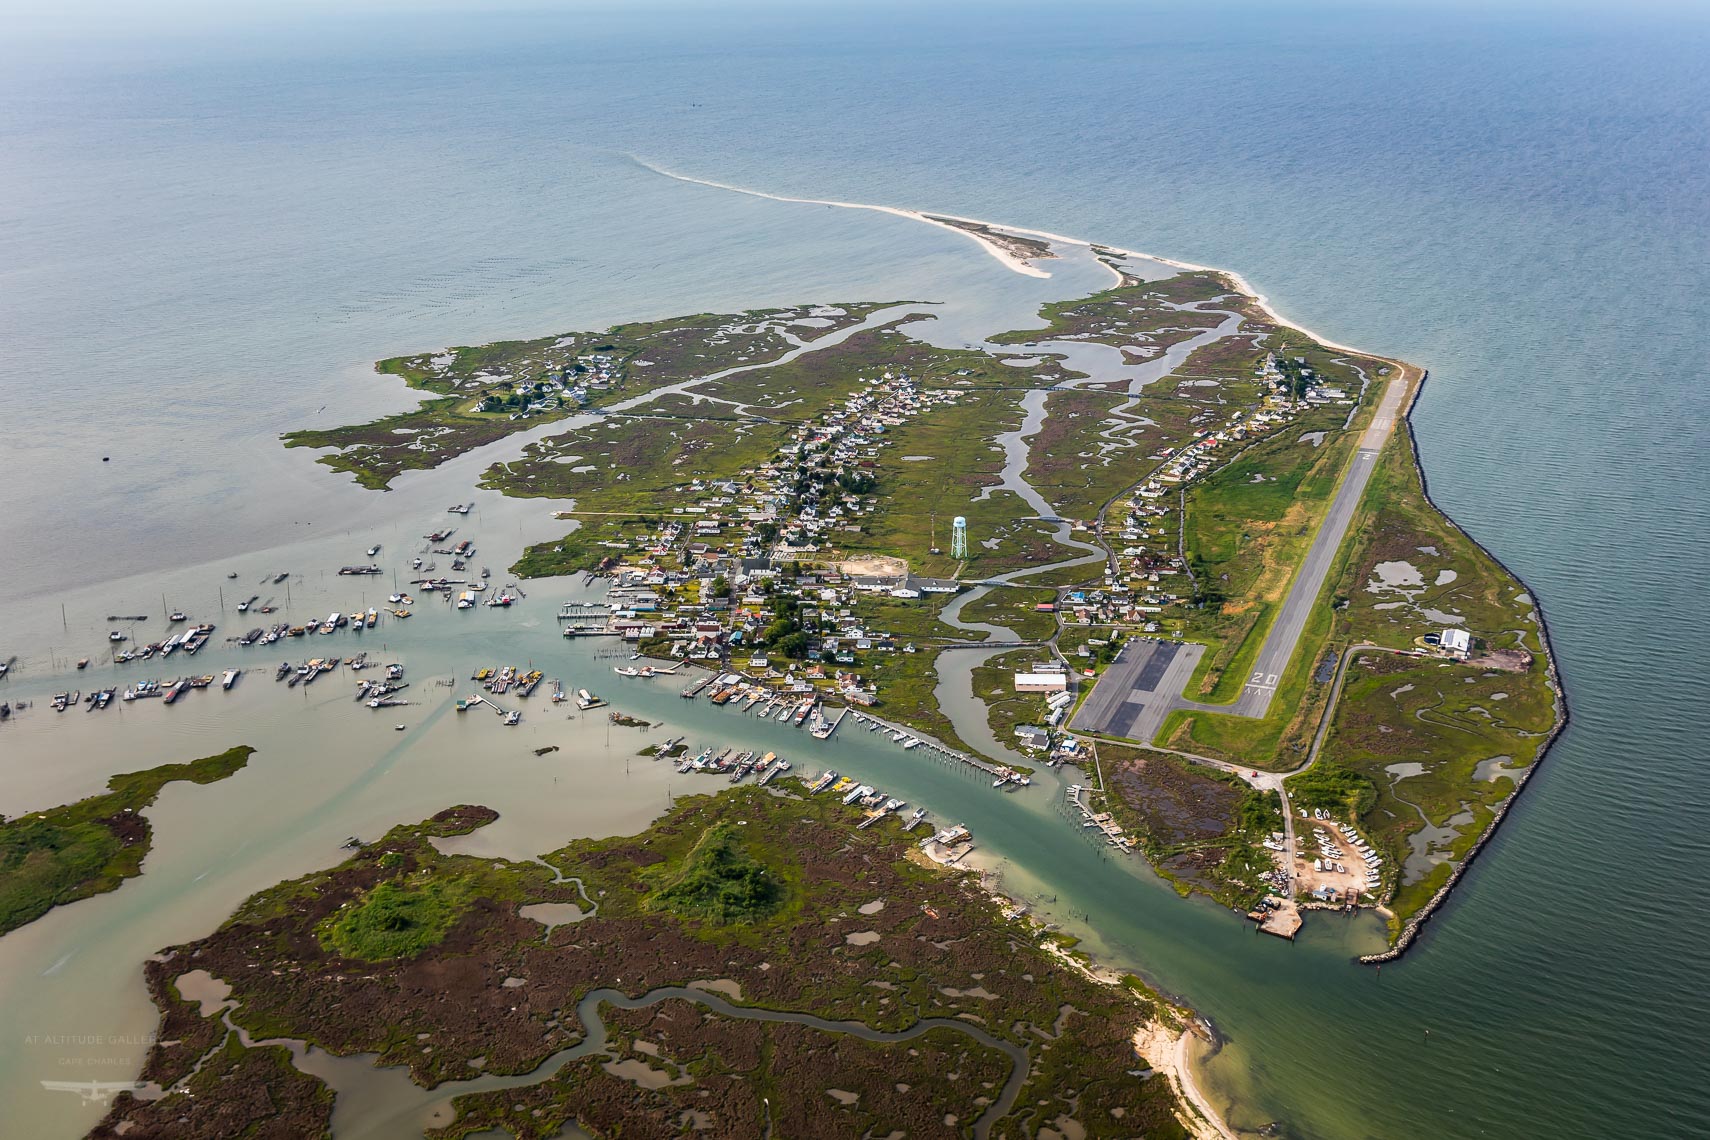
1009,260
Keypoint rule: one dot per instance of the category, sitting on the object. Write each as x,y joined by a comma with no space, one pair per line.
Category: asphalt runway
1144,684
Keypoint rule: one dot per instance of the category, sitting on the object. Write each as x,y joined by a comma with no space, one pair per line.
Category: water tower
959,538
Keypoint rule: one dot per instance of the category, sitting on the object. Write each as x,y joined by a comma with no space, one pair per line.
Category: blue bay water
207,237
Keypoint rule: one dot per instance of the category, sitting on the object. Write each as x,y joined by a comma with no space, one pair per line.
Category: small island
53,857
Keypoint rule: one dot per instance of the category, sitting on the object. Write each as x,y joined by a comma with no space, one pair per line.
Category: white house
1456,641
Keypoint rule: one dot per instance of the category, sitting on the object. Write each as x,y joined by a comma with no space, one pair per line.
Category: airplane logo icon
94,1092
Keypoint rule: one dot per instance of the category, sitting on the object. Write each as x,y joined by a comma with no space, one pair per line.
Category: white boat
513,717
373,550
114,636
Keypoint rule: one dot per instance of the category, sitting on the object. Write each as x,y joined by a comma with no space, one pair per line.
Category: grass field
853,926
63,854
628,462
1199,827
1013,607
638,357
917,499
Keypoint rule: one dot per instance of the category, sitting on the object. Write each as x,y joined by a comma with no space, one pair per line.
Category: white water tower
959,538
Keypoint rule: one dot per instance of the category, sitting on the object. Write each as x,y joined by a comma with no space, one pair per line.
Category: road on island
1284,635
1144,685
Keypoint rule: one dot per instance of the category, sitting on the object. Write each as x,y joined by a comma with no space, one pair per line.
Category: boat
586,700
177,615
115,636
399,727
281,576
229,679
373,550
83,662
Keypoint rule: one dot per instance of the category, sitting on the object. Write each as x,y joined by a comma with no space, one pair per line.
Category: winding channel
1100,363
406,1101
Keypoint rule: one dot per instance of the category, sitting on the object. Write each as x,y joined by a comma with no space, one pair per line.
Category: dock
1000,774
586,619
1281,918
1102,820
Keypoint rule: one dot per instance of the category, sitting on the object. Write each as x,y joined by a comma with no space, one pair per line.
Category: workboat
229,679
115,636
178,615
513,717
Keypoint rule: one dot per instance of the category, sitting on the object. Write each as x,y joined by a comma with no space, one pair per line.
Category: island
754,963
53,857
1166,538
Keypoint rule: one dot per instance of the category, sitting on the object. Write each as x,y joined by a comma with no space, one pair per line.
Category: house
1033,737
1456,641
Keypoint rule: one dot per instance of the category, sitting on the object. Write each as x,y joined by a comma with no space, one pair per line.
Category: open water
207,234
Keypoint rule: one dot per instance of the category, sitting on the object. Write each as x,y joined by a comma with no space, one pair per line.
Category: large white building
1456,641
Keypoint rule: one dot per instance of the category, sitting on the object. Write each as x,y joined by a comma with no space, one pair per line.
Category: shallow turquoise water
205,241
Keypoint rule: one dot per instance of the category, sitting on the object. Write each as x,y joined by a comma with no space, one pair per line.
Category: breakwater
1410,930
